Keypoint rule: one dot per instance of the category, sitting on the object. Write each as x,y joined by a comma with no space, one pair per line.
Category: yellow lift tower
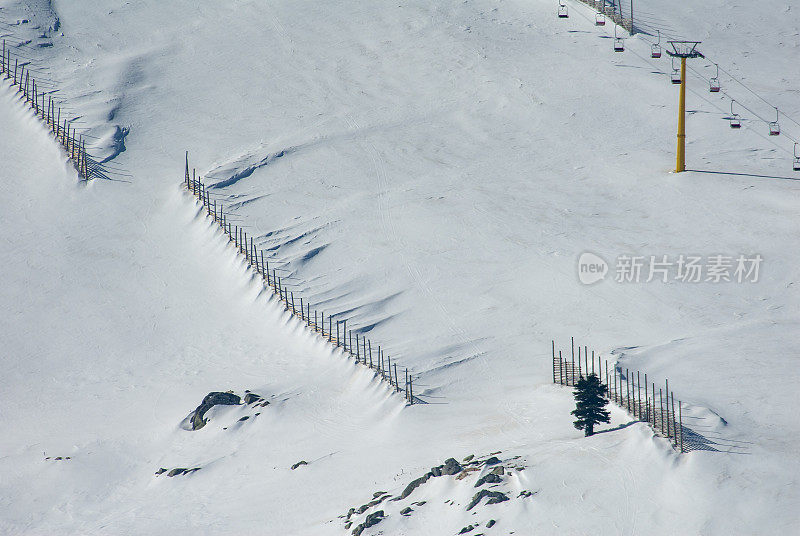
683,50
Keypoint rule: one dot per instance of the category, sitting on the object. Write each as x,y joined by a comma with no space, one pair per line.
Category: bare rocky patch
495,478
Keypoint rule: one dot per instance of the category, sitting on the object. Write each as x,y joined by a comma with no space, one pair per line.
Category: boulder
494,460
251,398
212,399
494,498
490,478
298,464
414,484
466,529
451,467
371,520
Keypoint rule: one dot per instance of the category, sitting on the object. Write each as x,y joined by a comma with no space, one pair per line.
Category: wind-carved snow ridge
360,348
230,173
29,32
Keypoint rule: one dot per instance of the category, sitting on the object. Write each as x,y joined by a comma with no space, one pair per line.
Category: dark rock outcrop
494,498
181,471
211,400
450,467
252,398
298,464
370,521
414,484
490,478
466,529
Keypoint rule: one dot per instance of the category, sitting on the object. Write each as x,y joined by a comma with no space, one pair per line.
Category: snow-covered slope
432,171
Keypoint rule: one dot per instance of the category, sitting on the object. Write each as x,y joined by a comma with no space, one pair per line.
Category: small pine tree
590,399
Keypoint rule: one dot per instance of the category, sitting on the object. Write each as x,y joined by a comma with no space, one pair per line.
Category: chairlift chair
713,84
562,10
774,127
675,77
796,161
735,121
619,44
600,20
655,50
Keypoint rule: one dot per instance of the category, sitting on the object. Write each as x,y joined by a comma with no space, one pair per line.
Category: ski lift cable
698,74
753,112
735,79
702,96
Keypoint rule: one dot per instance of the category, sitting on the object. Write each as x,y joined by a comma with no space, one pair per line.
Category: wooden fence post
639,393
674,431
661,409
586,358
666,391
680,421
396,384
573,367
344,333
370,354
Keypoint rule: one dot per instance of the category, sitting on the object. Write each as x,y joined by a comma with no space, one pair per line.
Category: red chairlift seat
562,12
655,51
796,162
600,20
713,84
774,127
676,76
734,119
619,45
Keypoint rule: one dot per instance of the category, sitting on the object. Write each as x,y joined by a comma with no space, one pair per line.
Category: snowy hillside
430,171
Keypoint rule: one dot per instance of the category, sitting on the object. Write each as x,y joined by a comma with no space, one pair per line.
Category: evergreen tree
590,399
